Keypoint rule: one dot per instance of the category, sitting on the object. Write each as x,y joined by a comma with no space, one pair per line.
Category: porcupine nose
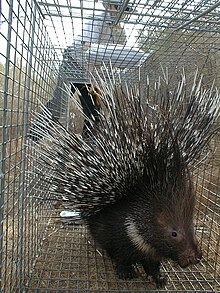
192,256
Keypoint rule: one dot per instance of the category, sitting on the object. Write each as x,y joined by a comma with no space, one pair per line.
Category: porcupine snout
192,255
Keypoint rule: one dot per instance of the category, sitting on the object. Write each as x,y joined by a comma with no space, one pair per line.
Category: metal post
4,138
24,138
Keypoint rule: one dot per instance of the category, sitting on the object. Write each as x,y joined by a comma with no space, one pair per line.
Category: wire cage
43,45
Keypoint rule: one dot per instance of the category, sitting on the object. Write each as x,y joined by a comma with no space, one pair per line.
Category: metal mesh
39,50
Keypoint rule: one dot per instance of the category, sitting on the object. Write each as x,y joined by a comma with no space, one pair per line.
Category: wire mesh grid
44,41
71,261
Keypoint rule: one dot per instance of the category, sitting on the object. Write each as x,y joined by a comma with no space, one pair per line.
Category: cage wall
39,252
27,76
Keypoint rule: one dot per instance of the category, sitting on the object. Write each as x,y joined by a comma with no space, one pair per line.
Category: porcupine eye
174,234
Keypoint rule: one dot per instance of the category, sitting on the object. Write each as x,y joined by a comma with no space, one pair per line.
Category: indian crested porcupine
131,182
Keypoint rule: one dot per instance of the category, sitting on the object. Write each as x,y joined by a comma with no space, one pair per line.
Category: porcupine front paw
125,272
159,280
152,269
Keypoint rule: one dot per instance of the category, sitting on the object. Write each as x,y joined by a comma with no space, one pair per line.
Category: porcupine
132,184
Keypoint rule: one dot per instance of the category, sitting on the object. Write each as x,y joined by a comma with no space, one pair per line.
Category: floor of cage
70,261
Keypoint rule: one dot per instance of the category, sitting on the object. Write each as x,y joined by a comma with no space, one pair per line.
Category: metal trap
44,45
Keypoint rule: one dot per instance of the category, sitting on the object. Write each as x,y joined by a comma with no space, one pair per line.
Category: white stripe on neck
136,238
